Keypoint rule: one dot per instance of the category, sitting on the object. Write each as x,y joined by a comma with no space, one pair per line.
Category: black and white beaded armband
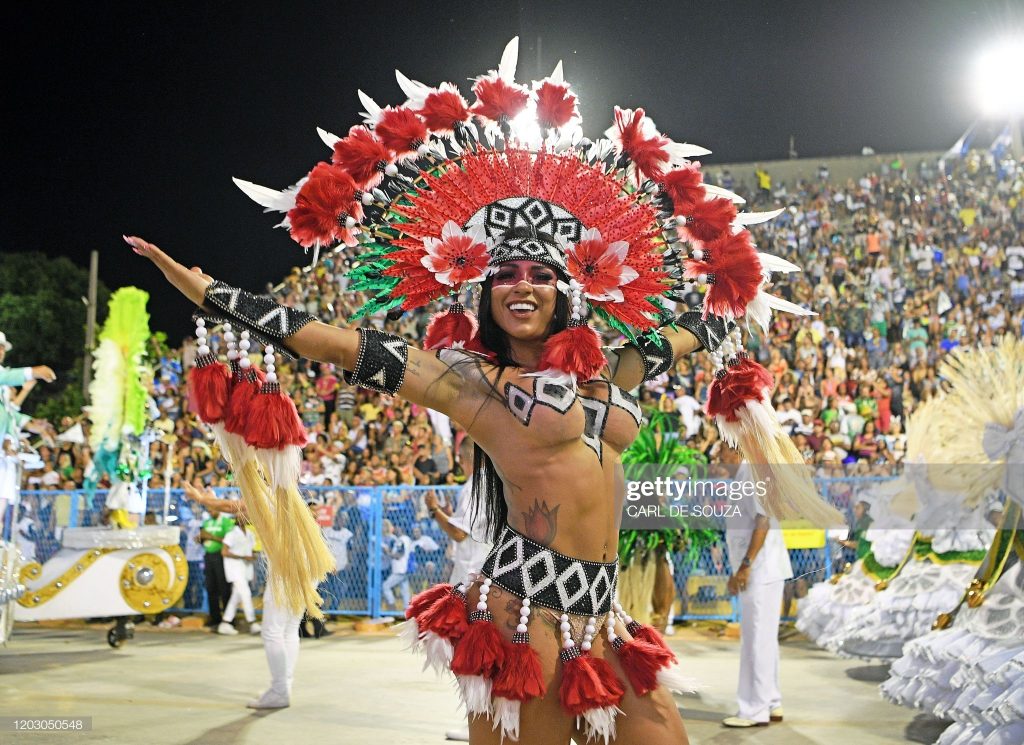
710,332
262,316
656,353
381,363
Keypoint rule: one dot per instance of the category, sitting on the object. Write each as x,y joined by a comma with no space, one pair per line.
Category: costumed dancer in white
279,629
971,667
760,567
239,544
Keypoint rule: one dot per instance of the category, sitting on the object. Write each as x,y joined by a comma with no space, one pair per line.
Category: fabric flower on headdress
600,266
459,256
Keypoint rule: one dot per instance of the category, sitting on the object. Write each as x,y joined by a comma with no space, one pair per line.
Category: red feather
443,108
710,219
427,599
497,99
588,683
556,104
647,633
363,155
480,652
450,328
243,393
577,350
446,618
683,186
641,662
737,269
208,389
274,423
521,677
321,206
647,153
401,130
743,382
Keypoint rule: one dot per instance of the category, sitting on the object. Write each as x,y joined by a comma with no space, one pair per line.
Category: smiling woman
439,198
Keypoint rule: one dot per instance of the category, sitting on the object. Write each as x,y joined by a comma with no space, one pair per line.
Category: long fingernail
128,240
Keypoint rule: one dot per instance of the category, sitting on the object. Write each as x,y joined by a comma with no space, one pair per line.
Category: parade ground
184,687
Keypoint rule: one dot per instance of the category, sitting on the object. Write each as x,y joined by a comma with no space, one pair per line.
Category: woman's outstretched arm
373,359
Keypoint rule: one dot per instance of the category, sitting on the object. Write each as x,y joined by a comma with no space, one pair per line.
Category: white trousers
401,581
241,593
758,691
280,632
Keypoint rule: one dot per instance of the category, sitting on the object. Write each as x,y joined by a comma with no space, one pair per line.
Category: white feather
372,114
777,303
506,716
759,312
414,89
273,200
774,263
672,677
509,60
437,652
329,138
476,694
718,191
409,633
753,218
600,723
556,76
683,151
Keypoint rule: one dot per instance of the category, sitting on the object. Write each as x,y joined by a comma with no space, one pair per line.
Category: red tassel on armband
246,387
575,350
208,388
740,381
642,661
649,634
273,421
455,328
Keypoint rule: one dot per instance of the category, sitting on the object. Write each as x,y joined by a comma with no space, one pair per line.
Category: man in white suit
760,567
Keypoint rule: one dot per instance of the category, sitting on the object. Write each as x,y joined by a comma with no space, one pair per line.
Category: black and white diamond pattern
626,401
520,403
558,397
550,579
596,412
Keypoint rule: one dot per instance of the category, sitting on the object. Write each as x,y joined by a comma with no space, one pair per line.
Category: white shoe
227,629
255,628
775,714
460,735
270,700
741,723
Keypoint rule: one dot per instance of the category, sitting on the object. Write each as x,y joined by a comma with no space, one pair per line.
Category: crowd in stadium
847,378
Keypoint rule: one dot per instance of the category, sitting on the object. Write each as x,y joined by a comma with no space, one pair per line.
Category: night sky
134,122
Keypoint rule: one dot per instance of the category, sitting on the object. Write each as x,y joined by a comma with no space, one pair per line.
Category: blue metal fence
388,547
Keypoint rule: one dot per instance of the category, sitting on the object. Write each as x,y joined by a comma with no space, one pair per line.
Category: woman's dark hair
488,492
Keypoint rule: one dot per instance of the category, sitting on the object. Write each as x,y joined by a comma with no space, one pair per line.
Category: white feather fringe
409,633
476,694
599,724
437,652
506,716
672,678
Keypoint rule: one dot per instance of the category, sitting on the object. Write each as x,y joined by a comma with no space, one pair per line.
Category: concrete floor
178,687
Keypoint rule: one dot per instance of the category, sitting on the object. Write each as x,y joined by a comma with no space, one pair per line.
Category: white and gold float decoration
105,572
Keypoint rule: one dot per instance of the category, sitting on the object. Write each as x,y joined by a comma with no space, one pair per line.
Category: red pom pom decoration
427,599
710,219
744,380
646,633
577,350
498,100
481,651
274,422
446,617
556,104
734,271
641,662
454,326
683,187
208,388
443,109
400,130
323,206
520,678
246,388
363,155
588,683
648,154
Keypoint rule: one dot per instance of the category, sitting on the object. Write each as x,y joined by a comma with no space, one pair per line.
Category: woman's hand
191,283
